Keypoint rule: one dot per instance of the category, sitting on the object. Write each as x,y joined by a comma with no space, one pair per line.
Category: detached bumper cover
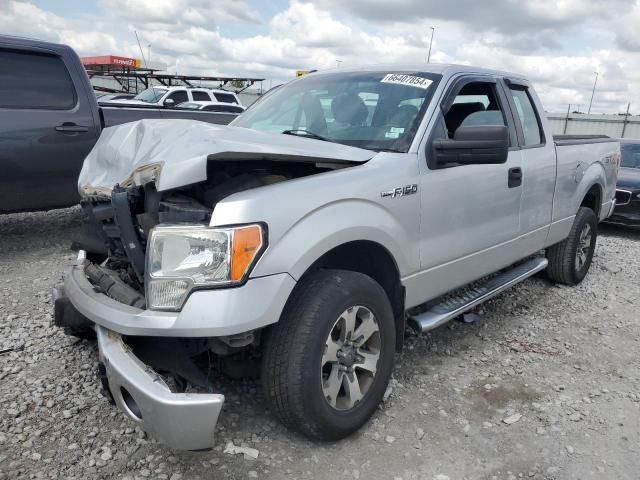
183,421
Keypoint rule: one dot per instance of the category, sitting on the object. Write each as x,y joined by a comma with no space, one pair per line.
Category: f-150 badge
400,191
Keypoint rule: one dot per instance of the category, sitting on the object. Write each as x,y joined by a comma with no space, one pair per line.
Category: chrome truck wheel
350,358
584,247
327,362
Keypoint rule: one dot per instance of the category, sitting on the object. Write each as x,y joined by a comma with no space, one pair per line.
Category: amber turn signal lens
247,242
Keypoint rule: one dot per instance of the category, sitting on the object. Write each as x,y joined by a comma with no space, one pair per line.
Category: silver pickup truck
299,241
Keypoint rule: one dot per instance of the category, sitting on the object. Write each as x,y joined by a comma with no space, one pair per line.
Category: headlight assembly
181,258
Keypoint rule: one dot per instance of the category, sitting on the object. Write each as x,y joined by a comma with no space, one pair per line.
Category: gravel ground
543,384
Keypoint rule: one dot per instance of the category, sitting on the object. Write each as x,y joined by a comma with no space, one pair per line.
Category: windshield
151,95
374,110
630,155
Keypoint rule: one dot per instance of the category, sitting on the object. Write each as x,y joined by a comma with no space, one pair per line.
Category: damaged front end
169,295
157,365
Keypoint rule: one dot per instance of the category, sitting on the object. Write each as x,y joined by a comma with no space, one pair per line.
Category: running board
451,307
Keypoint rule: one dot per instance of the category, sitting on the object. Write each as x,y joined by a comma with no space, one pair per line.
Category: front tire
569,260
328,361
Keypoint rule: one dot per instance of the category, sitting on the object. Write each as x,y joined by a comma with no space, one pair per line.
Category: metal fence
617,126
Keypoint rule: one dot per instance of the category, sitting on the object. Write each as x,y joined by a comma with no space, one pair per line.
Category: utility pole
338,63
433,29
626,120
566,120
149,52
593,92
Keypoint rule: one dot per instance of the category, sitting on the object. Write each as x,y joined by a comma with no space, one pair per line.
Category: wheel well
376,261
593,200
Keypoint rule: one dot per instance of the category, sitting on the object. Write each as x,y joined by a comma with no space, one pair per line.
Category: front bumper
206,313
183,421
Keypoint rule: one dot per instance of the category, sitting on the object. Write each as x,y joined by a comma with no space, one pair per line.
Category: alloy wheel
350,357
584,247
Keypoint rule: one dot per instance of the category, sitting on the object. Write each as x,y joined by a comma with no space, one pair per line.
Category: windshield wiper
301,132
392,150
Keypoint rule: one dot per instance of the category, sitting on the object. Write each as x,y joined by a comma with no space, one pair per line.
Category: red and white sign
112,60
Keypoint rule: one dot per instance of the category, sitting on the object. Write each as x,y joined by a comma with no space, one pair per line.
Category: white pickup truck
301,239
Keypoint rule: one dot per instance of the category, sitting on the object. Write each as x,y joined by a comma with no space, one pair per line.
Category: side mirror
474,145
169,102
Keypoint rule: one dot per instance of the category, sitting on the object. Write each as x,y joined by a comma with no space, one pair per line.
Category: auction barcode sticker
408,80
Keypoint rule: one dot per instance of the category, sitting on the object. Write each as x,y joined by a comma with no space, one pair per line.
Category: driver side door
470,212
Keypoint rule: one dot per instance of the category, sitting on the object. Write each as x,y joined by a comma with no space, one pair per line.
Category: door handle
69,127
515,177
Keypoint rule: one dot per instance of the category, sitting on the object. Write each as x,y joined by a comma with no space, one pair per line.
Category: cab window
34,80
475,105
200,96
531,129
178,97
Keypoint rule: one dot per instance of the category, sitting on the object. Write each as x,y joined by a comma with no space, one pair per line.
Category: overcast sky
558,44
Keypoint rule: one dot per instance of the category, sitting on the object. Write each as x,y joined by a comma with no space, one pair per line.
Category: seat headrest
349,108
459,111
487,117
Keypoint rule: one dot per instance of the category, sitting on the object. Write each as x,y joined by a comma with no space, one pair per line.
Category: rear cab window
527,114
225,97
33,80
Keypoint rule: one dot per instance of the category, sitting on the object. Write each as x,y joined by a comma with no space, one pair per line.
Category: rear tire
328,361
569,260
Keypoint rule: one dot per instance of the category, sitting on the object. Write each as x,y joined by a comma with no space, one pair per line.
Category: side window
528,118
178,97
225,97
475,105
34,80
200,96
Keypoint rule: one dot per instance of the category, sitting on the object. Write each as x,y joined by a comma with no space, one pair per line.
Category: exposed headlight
180,258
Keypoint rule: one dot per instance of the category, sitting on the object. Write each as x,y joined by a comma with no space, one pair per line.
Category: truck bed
116,114
561,140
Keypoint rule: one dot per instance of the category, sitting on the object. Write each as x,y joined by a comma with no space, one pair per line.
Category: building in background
616,126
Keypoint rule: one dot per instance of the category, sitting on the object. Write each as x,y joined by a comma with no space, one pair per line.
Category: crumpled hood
174,153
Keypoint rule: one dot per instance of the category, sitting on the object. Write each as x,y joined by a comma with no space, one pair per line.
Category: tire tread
282,385
561,256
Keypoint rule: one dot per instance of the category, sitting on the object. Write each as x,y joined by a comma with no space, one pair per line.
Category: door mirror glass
487,144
